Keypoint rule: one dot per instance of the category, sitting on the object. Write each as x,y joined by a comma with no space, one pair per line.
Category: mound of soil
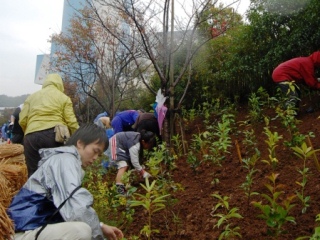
192,216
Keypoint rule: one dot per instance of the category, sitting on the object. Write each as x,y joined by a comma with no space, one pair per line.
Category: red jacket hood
315,57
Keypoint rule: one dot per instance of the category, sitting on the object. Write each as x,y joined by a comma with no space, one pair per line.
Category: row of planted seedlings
211,145
214,143
275,209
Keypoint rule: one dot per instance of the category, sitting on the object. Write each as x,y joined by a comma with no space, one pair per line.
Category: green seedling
289,121
177,143
200,142
304,152
255,106
152,202
275,213
273,139
221,141
250,141
193,161
249,164
160,162
107,202
225,217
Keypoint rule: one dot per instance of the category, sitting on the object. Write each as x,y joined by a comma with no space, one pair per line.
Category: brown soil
195,203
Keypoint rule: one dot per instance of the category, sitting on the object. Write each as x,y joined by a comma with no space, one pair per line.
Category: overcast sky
25,27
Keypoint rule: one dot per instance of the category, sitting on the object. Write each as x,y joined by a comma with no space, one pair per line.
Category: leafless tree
88,55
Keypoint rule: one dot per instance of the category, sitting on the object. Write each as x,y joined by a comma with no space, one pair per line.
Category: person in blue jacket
123,121
4,129
60,173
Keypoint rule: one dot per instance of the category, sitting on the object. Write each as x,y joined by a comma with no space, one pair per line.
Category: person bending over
126,150
301,70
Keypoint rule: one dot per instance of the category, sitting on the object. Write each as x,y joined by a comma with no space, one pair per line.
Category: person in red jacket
300,70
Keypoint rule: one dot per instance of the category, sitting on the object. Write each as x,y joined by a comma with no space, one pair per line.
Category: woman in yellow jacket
41,112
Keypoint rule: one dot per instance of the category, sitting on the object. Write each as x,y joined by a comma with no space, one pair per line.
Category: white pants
59,231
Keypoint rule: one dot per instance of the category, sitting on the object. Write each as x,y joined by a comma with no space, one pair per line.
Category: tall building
70,8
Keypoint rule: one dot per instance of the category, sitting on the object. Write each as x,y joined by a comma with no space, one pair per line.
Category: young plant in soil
193,161
250,142
109,206
225,217
198,146
303,153
200,142
177,143
289,121
152,202
221,139
255,107
249,165
160,162
273,139
275,213
178,224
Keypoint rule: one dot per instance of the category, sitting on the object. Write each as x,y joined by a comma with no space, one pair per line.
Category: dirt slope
194,208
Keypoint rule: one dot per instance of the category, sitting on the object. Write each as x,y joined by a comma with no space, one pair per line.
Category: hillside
7,101
192,217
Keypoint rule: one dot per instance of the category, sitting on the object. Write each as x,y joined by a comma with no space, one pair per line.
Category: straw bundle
13,174
10,150
20,159
6,225
12,178
5,196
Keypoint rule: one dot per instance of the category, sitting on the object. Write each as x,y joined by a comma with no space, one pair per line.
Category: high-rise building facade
70,8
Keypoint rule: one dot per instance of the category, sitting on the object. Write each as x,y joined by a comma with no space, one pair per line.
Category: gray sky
25,27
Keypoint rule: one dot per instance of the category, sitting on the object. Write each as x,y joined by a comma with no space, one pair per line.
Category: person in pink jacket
300,70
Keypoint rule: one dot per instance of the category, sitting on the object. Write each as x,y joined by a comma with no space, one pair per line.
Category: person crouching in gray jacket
54,192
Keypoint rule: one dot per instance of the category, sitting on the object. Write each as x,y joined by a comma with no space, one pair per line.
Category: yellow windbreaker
48,107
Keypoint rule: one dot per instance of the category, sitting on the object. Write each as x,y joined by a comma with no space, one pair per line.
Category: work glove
144,174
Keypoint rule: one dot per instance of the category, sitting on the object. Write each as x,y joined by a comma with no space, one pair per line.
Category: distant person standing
9,131
300,70
17,132
41,112
4,129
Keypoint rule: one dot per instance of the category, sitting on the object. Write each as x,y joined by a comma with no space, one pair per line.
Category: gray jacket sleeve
134,156
66,174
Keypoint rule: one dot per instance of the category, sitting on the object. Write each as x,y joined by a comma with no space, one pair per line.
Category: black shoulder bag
55,212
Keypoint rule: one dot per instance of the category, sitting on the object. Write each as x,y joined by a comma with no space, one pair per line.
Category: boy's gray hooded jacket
59,173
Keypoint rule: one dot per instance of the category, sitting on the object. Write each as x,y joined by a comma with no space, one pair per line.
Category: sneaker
121,189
